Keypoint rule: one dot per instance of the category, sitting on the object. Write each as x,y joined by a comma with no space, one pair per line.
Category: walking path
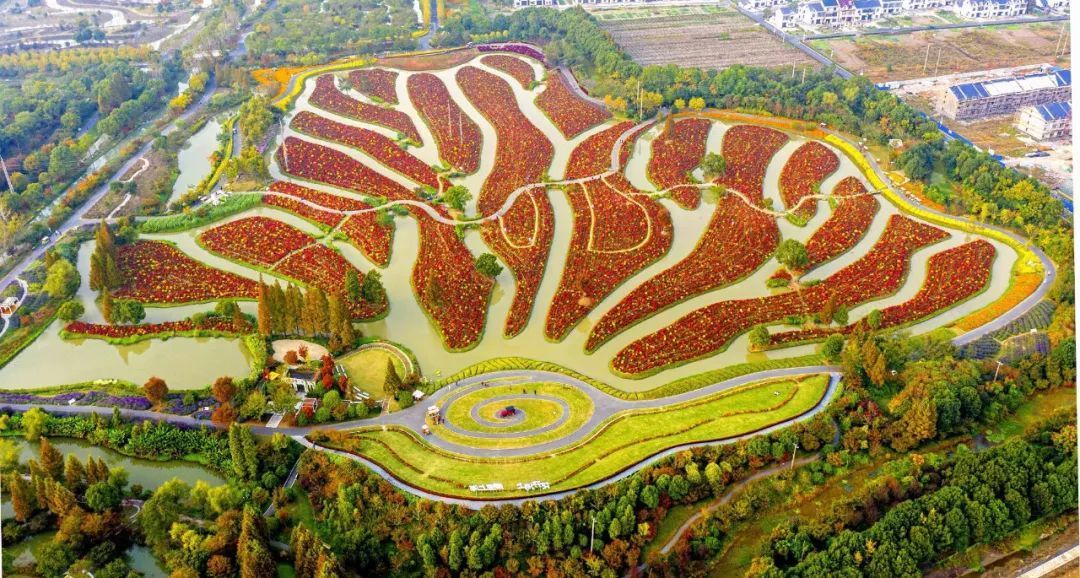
1065,558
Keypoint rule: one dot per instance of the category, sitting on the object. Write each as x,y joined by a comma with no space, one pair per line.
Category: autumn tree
264,314
392,382
251,549
155,390
223,389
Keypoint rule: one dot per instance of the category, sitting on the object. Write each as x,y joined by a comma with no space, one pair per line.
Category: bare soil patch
708,40
888,58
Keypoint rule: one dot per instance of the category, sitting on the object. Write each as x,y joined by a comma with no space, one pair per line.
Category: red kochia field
157,272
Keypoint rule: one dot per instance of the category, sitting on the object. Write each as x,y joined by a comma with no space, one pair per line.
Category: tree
874,319
106,305
223,389
714,165
834,344
224,414
62,162
792,255
251,549
61,280
352,285
372,289
155,390
102,496
264,314
71,310
759,336
456,197
34,422
487,264
392,382
51,460
22,497
697,103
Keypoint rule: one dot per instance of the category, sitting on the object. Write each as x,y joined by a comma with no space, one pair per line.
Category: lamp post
999,364
592,533
793,452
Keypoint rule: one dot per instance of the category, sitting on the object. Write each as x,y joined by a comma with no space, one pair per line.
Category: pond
140,558
194,158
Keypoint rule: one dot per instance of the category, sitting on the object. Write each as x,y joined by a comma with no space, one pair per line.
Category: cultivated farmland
708,40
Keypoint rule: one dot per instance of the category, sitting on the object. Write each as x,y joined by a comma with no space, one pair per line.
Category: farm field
617,259
707,40
901,57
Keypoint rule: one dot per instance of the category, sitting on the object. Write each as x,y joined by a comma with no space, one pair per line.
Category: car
507,411
1037,154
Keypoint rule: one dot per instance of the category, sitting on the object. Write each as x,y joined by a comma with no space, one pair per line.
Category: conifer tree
265,319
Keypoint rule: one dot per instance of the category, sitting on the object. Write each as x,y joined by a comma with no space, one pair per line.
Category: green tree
392,382
792,255
34,423
714,165
456,197
372,289
103,496
488,265
352,284
759,336
61,280
71,310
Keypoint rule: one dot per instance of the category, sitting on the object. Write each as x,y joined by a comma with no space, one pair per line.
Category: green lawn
536,414
622,441
367,370
1034,411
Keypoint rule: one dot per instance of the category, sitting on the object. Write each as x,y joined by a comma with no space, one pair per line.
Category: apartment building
988,9
1047,122
1003,96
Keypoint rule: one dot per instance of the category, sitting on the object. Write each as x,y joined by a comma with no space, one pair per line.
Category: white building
984,9
1004,96
1047,122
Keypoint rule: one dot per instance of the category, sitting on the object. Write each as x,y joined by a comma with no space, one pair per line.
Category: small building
8,306
1047,122
983,9
309,405
417,395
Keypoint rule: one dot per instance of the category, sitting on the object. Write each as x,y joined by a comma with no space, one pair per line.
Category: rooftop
1051,79
1054,110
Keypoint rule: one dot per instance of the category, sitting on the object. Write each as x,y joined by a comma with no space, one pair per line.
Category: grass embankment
367,370
625,440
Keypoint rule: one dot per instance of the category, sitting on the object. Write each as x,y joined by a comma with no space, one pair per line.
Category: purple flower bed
29,398
101,398
521,49
176,406
201,414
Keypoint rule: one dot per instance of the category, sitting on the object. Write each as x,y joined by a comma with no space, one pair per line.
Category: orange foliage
1021,287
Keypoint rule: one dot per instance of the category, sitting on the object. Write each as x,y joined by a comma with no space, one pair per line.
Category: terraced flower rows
458,136
444,278
284,250
375,145
157,272
375,83
801,175
847,224
737,241
521,237
710,329
676,152
571,113
516,67
327,97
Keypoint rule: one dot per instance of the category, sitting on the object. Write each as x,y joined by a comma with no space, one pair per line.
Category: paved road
7,320
1068,557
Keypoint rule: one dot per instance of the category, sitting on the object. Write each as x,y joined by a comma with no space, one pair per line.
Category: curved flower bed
593,155
512,65
522,236
363,229
737,241
327,97
805,169
157,272
376,83
521,49
444,277
102,331
457,136
675,155
952,277
709,329
375,145
847,224
572,114
614,237
261,241
748,150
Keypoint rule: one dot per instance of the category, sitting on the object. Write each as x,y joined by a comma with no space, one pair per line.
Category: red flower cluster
612,240
522,236
952,276
807,167
707,330
78,328
737,241
375,82
848,223
157,272
572,114
375,145
458,137
748,150
364,230
261,241
327,96
593,155
512,65
444,277
674,155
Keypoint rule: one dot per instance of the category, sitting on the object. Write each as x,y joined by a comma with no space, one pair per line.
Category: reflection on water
194,159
